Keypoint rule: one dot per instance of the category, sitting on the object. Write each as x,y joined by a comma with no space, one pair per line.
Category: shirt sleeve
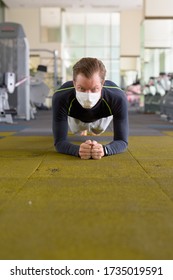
60,128
120,128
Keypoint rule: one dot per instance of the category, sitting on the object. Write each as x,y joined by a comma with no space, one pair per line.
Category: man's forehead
94,79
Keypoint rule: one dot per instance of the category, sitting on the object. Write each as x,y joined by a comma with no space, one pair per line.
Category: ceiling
111,5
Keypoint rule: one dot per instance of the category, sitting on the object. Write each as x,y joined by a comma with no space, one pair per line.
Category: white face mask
88,99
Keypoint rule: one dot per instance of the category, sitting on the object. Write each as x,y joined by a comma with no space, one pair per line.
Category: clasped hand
91,149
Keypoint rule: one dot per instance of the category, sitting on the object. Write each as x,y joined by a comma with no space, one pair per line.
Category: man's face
83,84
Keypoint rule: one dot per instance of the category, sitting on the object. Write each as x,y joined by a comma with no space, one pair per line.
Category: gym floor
55,206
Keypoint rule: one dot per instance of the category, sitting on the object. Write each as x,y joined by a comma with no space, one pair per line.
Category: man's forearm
66,147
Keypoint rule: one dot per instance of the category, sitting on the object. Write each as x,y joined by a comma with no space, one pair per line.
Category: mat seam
149,175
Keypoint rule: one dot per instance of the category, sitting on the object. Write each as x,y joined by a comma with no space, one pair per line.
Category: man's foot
94,134
84,133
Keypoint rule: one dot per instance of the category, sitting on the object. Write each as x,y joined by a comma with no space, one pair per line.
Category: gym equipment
57,81
157,89
133,93
39,91
166,105
149,91
14,58
8,86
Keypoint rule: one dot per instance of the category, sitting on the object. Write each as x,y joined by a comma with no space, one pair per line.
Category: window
82,34
91,34
50,25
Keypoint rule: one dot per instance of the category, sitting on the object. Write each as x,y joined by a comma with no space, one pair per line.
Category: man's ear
74,83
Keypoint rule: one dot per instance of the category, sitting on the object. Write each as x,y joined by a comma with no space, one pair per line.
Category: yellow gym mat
55,206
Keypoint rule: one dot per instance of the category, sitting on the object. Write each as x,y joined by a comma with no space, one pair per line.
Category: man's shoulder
109,83
66,86
65,92
112,92
112,88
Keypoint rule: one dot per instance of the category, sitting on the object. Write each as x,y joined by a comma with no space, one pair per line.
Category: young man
89,103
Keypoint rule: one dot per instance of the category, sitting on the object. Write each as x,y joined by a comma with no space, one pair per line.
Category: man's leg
76,126
97,127
100,125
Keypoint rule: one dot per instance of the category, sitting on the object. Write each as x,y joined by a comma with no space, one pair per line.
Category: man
89,103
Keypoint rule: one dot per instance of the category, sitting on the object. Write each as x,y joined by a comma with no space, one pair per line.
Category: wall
130,33
162,10
30,20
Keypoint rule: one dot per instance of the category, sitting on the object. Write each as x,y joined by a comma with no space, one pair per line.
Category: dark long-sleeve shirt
113,102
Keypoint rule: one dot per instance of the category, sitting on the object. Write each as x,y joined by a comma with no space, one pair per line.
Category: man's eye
80,89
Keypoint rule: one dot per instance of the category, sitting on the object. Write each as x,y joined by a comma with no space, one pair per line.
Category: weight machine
7,87
14,73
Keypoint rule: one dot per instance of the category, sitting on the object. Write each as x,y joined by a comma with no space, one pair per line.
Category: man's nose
88,91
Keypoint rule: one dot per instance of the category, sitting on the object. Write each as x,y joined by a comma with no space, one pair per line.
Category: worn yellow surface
55,206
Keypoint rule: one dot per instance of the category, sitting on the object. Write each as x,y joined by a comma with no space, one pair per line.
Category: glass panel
115,52
115,29
74,29
99,52
50,19
87,34
97,30
107,65
74,35
97,35
115,71
168,60
73,53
